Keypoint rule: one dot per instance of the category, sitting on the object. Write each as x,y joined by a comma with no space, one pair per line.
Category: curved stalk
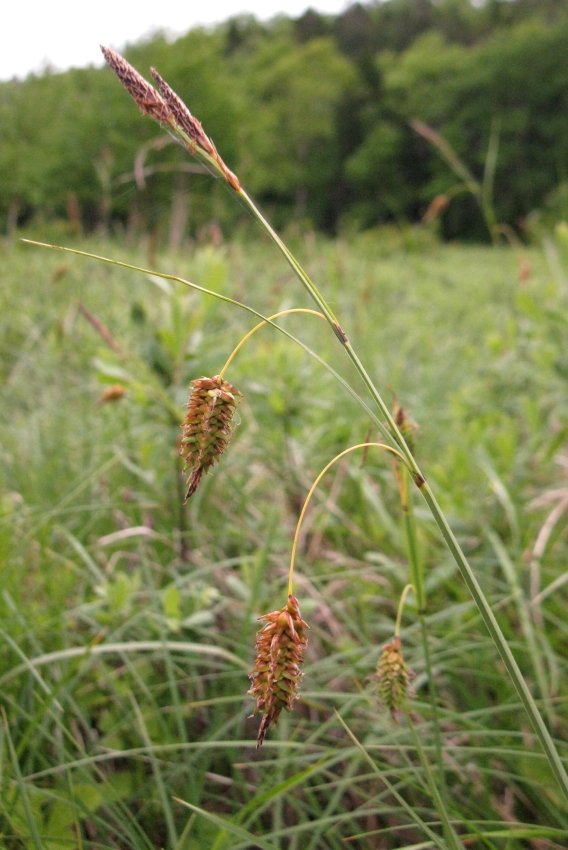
405,592
353,393
311,492
259,326
466,571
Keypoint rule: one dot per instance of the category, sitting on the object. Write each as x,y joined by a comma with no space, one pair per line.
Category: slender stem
401,606
392,431
417,574
312,289
385,412
260,325
499,639
311,492
466,571
434,704
416,569
438,801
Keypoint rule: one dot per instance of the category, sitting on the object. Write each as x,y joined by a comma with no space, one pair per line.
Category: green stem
416,568
455,550
291,260
392,432
437,799
434,703
417,574
499,640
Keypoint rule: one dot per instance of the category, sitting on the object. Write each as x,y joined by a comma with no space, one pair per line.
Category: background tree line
313,114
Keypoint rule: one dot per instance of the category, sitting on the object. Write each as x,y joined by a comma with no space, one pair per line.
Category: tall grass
128,620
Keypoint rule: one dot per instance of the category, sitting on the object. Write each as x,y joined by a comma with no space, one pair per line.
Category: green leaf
223,823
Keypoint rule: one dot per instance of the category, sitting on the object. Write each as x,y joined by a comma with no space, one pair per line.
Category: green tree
290,150
520,81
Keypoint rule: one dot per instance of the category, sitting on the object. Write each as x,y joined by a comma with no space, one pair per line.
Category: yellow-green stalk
150,103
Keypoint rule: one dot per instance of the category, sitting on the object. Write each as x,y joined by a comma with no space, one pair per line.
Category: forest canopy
317,117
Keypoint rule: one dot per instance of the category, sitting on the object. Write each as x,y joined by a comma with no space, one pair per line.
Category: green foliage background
127,620
313,116
151,608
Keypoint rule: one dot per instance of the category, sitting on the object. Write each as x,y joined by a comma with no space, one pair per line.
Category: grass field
128,620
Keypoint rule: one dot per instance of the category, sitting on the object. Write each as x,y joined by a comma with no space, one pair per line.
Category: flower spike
169,110
276,673
145,95
393,677
207,427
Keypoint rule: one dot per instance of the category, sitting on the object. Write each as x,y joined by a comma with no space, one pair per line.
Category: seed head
207,427
169,109
393,677
145,95
192,127
182,114
113,393
276,673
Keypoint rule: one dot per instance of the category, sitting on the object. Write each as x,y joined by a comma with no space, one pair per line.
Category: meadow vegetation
128,620
132,587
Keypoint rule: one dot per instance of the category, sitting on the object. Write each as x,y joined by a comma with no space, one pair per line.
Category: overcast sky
65,33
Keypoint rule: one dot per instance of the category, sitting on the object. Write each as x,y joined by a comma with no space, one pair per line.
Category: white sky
65,33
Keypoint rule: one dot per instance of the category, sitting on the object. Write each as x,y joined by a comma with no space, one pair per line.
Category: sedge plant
206,434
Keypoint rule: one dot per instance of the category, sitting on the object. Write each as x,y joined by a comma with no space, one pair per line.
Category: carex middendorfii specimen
393,677
276,674
170,111
207,427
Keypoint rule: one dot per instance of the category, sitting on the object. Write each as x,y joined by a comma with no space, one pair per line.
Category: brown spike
207,427
183,116
145,95
280,646
192,127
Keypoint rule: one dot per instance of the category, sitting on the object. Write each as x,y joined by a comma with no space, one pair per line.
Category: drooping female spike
276,673
393,677
207,427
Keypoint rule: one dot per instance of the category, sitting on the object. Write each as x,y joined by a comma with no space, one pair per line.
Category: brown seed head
207,427
276,673
113,393
145,95
168,109
183,116
393,677
192,127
